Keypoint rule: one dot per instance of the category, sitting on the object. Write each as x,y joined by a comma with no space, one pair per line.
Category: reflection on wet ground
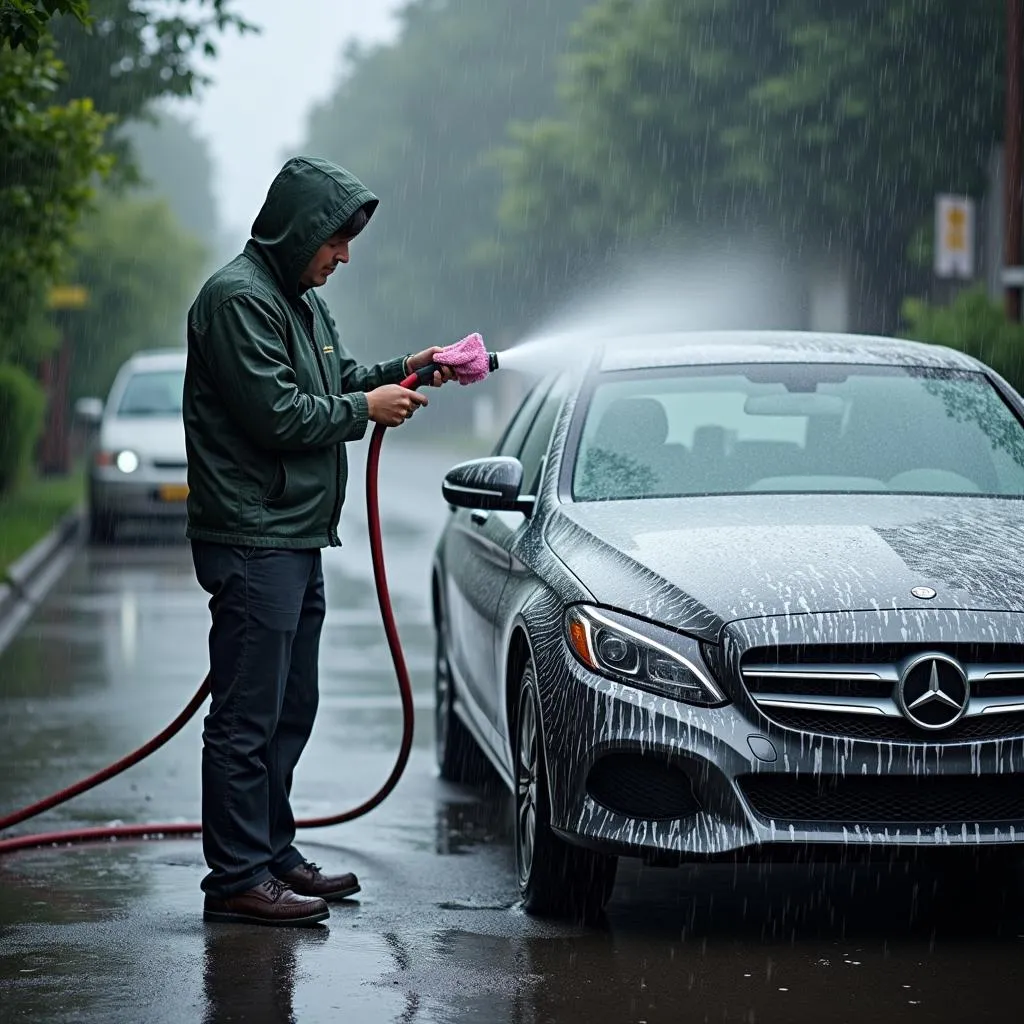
115,933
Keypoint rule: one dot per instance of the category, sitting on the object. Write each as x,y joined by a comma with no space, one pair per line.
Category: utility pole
53,455
1012,155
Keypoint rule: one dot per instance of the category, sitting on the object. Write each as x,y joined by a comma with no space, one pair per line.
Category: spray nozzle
468,358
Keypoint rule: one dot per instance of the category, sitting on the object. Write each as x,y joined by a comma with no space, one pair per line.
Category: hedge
22,404
972,323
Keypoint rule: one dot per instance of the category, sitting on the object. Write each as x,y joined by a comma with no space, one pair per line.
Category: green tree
830,122
58,120
24,23
141,269
175,163
971,323
49,156
140,50
417,120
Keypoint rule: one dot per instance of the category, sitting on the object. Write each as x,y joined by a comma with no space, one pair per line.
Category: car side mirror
89,410
491,484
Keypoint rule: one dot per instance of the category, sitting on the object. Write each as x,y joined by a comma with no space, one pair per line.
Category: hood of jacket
307,202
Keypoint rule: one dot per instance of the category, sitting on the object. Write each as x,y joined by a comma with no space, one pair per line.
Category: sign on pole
68,296
954,236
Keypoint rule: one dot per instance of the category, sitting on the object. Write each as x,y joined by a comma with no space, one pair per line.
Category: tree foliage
24,23
141,269
21,414
55,118
417,119
830,122
971,323
175,163
71,73
49,155
139,50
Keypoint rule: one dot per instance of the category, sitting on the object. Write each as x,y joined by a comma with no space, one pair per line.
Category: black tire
102,527
555,878
459,759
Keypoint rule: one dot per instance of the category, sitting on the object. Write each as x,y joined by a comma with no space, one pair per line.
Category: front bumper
635,774
145,494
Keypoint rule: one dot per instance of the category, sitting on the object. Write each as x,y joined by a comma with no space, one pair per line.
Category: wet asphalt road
115,933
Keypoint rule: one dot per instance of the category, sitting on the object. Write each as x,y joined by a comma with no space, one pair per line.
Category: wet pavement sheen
114,933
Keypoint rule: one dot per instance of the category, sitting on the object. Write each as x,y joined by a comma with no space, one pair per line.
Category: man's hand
425,358
392,404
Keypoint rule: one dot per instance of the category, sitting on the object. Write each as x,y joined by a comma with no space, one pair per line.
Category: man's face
325,259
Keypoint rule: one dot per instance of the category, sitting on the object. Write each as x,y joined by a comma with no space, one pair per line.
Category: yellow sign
68,296
954,236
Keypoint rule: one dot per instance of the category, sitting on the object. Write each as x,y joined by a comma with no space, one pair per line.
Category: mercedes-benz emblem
924,593
933,691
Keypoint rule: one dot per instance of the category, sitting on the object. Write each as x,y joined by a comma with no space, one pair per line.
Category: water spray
471,363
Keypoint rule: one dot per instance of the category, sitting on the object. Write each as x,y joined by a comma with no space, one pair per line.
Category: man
271,398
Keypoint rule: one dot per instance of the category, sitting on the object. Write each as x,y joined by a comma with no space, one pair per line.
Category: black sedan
714,595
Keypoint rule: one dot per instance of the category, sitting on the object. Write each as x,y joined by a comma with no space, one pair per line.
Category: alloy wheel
526,787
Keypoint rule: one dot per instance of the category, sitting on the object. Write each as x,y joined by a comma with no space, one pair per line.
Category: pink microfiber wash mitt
468,358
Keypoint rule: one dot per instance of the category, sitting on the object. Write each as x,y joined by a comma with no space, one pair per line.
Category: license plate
173,492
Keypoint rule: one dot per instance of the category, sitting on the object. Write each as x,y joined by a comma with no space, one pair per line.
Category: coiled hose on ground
174,829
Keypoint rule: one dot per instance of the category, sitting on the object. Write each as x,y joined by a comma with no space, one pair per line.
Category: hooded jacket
271,395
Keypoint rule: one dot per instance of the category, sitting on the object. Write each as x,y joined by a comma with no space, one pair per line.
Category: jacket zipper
332,534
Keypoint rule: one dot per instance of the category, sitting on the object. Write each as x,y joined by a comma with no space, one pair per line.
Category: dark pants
267,608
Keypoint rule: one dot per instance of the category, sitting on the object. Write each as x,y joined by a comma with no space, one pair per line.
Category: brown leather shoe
309,880
270,902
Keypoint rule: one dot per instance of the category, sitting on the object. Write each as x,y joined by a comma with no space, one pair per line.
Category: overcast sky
265,85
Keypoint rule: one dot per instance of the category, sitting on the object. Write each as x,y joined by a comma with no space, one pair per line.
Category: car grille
170,464
885,799
849,690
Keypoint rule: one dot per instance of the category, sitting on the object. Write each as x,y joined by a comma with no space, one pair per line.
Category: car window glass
535,445
512,439
798,428
153,393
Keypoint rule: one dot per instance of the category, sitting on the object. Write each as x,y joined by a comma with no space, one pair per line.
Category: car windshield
797,428
153,393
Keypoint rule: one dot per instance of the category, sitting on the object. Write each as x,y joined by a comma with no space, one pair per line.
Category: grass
28,515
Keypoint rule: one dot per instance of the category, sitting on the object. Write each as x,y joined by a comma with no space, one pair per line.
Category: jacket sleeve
356,378
246,351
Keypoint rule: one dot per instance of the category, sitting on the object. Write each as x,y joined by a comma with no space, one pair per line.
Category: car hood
698,563
159,437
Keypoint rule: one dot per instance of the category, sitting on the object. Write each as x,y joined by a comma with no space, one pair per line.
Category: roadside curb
30,578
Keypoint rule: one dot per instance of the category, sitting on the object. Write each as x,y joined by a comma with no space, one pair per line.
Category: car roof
157,359
712,348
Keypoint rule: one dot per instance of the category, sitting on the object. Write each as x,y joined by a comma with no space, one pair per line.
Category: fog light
127,461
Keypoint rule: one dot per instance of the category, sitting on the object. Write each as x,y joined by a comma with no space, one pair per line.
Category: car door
503,530
476,561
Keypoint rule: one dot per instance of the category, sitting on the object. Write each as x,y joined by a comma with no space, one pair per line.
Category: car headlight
640,654
127,461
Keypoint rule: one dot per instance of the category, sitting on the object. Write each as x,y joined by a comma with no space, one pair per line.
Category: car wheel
555,878
102,527
459,759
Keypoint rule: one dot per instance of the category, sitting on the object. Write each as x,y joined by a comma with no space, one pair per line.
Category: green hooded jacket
271,395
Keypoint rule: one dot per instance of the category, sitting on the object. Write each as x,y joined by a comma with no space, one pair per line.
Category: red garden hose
167,831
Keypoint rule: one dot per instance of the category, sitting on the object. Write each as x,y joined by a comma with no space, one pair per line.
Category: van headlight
640,654
127,461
